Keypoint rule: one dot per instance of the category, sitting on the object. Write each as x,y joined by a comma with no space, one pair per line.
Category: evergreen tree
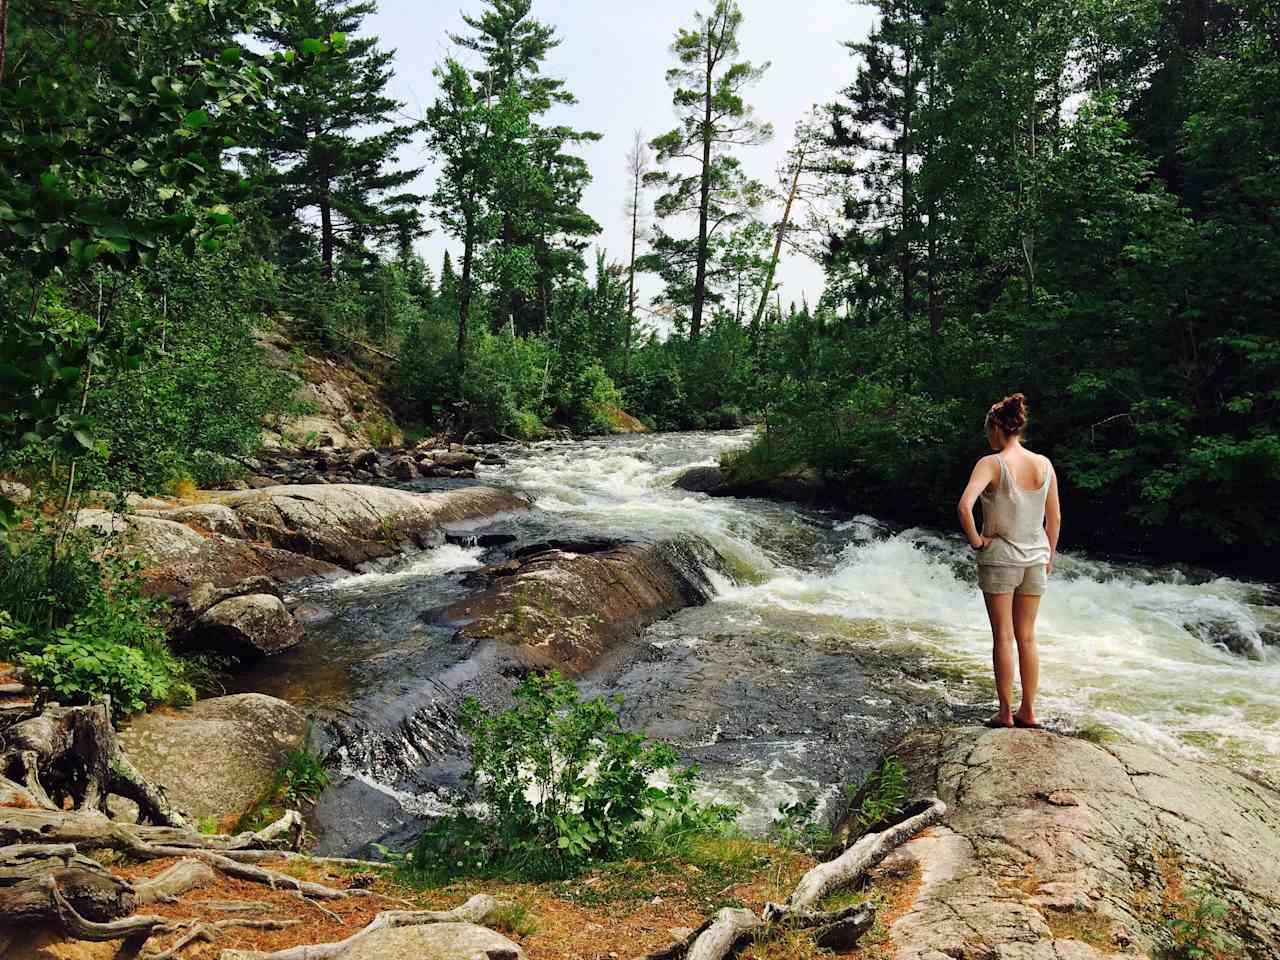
708,84
334,156
544,230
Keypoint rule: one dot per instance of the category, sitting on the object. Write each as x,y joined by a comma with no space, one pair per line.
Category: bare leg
1025,609
1000,612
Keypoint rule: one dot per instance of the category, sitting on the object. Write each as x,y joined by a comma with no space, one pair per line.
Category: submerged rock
217,757
1046,835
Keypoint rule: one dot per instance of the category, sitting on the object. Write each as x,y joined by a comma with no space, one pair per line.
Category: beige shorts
1028,581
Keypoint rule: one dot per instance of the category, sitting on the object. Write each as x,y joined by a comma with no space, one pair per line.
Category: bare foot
1000,720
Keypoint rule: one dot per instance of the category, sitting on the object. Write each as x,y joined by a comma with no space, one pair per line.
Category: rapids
829,637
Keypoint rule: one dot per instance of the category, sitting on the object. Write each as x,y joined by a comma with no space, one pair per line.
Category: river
827,638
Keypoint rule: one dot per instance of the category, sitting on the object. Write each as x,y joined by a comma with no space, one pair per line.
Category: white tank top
1014,520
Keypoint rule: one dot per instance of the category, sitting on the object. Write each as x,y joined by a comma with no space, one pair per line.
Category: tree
335,153
638,166
477,141
708,84
544,230
113,143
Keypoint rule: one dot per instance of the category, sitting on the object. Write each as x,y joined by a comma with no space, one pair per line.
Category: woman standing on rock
1021,519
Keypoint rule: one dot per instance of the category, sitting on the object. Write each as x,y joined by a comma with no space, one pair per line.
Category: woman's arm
1053,515
985,472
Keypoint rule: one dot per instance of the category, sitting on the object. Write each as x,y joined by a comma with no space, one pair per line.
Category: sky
614,57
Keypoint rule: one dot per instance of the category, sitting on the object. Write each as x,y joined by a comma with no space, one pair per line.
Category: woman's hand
982,544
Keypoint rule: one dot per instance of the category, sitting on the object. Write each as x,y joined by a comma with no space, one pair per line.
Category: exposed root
209,930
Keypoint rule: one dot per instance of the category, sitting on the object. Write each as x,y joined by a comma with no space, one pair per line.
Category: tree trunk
631,282
777,243
908,88
704,203
464,297
326,234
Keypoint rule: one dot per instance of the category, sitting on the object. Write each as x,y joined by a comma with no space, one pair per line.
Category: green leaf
338,41
138,166
196,120
311,47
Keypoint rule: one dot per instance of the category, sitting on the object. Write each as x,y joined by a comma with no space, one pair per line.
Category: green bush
98,639
561,784
301,778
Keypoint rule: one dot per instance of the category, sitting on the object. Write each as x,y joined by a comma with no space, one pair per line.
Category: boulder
404,468
217,757
247,627
434,941
156,539
700,480
566,609
213,517
349,524
15,491
1047,836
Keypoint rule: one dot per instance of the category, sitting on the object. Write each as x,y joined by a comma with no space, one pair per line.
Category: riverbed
827,638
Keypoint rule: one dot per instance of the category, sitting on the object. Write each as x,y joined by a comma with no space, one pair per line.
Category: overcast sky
614,57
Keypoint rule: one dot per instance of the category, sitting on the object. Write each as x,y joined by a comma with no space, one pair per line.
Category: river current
828,637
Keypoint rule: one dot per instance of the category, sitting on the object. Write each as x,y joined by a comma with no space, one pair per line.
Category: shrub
881,797
560,784
1197,934
797,826
82,630
301,778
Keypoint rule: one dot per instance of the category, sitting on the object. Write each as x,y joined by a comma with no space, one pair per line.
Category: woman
1021,519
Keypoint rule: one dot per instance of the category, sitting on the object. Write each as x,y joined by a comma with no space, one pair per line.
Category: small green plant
797,826
880,798
302,777
561,784
1199,934
207,825
513,918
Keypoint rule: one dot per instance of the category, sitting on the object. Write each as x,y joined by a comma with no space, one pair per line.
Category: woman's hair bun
1010,414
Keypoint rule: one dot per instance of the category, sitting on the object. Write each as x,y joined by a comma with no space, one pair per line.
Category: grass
300,779
515,919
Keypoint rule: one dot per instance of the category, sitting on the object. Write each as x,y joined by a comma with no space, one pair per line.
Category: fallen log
89,893
852,865
476,910
91,830
728,933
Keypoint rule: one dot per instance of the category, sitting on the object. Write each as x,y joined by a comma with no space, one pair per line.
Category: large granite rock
158,540
434,941
215,758
348,524
247,626
566,606
1059,848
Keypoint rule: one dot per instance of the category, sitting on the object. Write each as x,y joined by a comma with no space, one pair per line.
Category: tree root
208,931
728,932
475,910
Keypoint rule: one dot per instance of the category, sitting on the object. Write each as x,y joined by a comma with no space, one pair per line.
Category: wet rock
1239,637
485,541
247,626
205,595
566,609
700,480
434,941
1039,824
215,758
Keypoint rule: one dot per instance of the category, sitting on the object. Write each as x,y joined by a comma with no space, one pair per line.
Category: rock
213,517
1047,834
215,758
247,626
158,540
15,491
700,480
566,609
455,461
364,459
404,468
434,941
348,524
205,595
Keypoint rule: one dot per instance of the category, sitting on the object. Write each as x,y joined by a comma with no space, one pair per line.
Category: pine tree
638,165
708,83
544,230
334,158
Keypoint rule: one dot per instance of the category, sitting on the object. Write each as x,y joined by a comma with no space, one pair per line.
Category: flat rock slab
215,758
434,941
1062,849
